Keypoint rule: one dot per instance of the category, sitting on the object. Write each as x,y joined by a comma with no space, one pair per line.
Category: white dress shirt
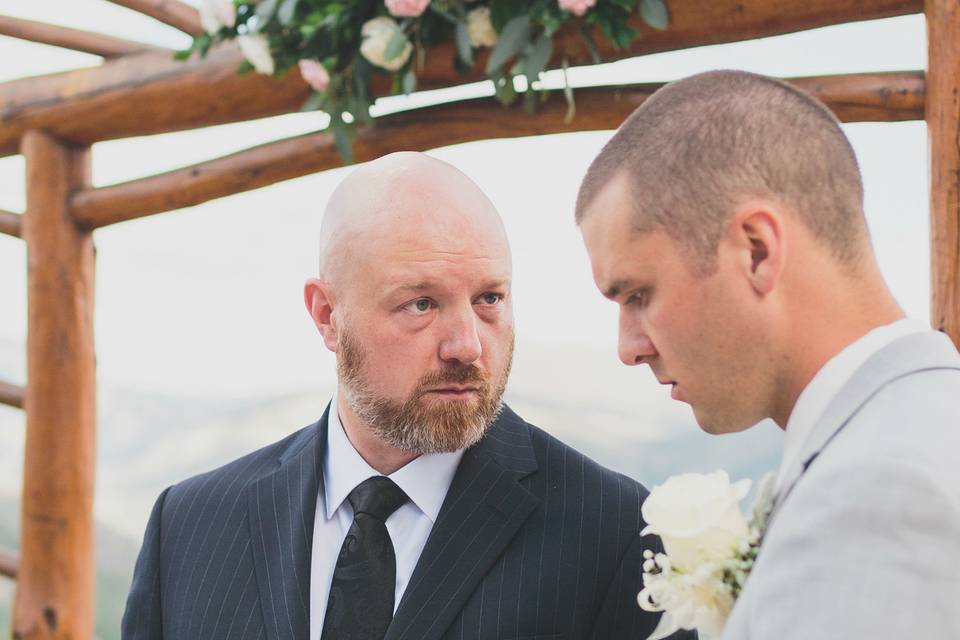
826,384
425,480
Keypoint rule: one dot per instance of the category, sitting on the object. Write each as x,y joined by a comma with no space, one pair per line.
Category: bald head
400,202
414,298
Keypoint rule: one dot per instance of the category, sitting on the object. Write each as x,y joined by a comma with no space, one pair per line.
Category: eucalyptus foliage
329,31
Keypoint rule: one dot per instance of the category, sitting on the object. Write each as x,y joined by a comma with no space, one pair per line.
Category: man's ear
319,299
756,231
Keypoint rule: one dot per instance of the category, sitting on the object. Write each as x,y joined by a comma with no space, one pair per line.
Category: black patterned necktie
360,604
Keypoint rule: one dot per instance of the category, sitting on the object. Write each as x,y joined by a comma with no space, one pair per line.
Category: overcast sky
207,301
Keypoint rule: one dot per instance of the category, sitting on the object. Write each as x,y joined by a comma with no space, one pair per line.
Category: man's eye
639,298
419,306
491,298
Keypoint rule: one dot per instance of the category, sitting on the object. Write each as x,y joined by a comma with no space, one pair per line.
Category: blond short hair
699,146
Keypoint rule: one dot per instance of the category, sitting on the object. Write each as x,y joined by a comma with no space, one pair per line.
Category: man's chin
720,425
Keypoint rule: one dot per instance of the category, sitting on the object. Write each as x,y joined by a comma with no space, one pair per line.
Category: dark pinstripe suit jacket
534,541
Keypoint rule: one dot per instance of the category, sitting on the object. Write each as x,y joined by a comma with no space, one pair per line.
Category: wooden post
943,131
55,581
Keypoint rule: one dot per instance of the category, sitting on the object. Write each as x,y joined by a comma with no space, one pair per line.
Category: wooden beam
176,14
11,394
943,131
8,564
92,104
10,223
154,94
881,96
95,43
55,583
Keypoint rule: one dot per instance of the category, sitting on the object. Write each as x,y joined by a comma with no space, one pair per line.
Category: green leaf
587,32
506,93
362,72
464,49
314,102
513,39
396,45
360,109
202,43
568,96
287,11
183,55
530,101
409,82
343,136
244,67
537,58
265,11
654,13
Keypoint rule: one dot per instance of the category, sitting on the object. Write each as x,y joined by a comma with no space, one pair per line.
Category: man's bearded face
425,421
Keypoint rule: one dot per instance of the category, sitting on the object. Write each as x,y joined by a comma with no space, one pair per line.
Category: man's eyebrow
413,286
500,283
615,289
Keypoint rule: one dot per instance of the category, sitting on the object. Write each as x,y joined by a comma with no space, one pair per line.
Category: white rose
698,517
480,29
256,50
376,34
216,14
697,600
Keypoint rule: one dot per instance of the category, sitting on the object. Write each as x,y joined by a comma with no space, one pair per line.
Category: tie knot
378,497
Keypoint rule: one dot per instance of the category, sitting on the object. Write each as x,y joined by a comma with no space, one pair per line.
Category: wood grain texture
882,96
943,130
11,394
86,41
10,223
153,93
176,14
55,584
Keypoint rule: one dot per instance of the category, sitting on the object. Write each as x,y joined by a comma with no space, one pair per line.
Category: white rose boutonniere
710,548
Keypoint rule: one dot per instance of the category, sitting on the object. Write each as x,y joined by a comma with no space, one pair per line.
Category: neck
375,452
816,336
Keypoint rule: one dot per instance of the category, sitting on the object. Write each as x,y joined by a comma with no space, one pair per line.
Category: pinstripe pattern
534,541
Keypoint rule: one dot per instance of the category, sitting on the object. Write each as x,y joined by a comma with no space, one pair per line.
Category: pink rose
407,8
576,7
314,74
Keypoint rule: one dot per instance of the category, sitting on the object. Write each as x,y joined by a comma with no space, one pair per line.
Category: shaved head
398,198
413,296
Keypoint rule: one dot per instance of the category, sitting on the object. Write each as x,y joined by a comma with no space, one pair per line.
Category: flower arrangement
338,45
710,549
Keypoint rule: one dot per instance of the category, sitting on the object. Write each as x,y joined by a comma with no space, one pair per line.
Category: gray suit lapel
904,356
281,509
481,514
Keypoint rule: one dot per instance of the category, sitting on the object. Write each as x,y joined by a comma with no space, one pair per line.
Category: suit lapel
484,508
904,356
281,508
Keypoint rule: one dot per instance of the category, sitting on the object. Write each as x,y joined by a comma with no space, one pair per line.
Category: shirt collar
827,383
425,480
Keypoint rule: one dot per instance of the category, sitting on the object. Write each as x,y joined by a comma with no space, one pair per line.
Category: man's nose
461,341
635,346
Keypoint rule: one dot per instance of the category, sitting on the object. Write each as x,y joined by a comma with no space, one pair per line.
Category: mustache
453,374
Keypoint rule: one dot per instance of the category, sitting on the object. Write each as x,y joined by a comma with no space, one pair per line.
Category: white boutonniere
710,549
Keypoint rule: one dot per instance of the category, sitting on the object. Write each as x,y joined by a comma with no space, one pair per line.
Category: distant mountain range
147,441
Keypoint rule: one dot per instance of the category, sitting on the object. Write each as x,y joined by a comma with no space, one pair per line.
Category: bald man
418,507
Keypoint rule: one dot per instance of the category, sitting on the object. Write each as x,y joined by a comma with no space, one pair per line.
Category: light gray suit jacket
864,541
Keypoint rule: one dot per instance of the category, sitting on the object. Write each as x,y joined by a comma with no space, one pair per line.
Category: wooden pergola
138,90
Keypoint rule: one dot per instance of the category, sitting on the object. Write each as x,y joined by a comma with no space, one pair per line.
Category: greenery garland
339,44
